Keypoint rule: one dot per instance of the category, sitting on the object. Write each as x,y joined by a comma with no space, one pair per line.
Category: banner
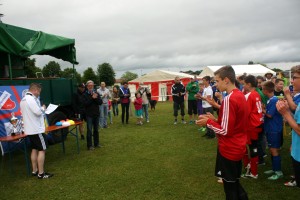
10,97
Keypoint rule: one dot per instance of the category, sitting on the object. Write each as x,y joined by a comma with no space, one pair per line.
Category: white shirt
102,92
207,91
32,115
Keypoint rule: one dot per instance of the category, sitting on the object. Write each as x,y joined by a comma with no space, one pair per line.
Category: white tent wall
255,70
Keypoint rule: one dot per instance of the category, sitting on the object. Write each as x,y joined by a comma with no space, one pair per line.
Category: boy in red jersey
230,130
255,119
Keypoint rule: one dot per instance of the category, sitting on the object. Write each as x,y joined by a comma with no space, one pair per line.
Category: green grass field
158,160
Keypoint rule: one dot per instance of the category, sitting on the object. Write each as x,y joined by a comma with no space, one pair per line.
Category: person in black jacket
79,108
92,101
178,93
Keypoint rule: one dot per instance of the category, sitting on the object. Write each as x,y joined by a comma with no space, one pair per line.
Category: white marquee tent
255,70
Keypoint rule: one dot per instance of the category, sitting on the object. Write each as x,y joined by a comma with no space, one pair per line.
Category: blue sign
10,112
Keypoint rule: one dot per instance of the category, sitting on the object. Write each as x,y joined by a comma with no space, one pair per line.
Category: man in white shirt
105,96
207,94
34,127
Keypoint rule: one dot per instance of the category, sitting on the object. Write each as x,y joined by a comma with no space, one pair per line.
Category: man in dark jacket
92,101
178,93
78,107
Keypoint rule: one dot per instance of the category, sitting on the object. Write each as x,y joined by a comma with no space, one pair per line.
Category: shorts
192,107
228,170
38,141
274,140
139,113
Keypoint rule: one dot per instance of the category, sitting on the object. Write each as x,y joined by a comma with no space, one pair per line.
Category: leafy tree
106,74
30,68
68,73
52,69
277,70
89,74
128,76
253,63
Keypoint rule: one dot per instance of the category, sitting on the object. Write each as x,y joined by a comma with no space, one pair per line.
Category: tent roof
256,70
160,75
24,43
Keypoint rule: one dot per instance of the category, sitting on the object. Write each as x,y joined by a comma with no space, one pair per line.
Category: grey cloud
142,34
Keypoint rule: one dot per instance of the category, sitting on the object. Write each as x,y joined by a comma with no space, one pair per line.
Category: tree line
104,72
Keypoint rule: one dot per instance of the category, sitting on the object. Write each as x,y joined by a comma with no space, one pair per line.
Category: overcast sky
140,35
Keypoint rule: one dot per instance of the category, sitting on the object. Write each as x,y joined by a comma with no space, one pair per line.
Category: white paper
51,108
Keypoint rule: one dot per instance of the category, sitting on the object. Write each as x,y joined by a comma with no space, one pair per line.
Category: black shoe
44,175
34,173
82,137
210,136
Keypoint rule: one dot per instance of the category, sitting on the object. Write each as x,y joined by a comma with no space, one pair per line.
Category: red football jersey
231,126
255,117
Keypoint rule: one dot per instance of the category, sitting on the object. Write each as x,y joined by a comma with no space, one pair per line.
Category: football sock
276,164
254,162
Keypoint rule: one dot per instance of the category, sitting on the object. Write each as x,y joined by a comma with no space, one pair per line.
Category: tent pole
74,71
9,64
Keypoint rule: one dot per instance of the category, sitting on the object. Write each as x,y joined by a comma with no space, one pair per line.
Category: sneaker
82,137
175,122
141,123
250,175
269,172
292,176
265,155
191,122
276,176
34,173
148,121
91,148
261,163
202,129
98,146
247,171
291,183
183,122
44,175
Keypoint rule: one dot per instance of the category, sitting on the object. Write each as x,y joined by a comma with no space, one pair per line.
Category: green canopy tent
20,43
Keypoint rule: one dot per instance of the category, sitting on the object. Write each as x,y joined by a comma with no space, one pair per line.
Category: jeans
92,124
103,115
110,116
125,108
115,109
145,111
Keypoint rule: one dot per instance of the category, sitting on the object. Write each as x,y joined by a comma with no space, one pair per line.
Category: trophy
14,123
